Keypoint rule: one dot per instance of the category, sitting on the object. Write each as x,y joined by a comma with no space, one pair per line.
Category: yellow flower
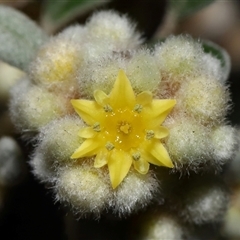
123,129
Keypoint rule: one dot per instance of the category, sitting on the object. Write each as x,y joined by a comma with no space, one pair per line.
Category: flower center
123,128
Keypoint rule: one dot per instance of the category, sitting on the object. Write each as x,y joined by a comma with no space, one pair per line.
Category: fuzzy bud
204,201
84,188
59,138
33,107
224,141
204,99
162,226
108,32
57,62
178,56
135,193
188,142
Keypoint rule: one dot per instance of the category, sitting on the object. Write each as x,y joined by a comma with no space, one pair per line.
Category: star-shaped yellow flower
123,129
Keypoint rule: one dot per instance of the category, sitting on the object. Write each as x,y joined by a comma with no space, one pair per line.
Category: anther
136,156
149,134
109,146
96,127
107,108
138,108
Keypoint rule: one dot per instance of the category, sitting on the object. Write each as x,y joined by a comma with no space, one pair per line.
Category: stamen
96,127
107,108
138,108
150,134
109,146
136,156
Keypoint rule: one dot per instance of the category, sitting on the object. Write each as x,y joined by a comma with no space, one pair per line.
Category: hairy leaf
20,38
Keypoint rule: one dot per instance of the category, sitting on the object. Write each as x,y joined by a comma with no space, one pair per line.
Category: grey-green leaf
184,8
59,12
20,38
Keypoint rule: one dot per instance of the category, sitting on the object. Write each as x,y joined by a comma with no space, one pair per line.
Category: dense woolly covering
88,190
161,225
83,59
143,189
138,65
205,201
85,188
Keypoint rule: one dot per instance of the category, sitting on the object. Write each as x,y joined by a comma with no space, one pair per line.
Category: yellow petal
144,98
158,111
141,165
87,132
101,158
89,111
122,94
119,164
101,97
87,149
160,153
161,132
149,158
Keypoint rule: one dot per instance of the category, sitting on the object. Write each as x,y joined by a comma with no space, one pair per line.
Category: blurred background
28,210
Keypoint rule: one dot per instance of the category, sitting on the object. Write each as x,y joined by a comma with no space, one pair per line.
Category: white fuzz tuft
99,74
179,56
188,143
33,107
162,226
204,202
213,66
57,62
43,167
140,68
85,188
224,142
136,192
59,139
143,71
108,32
204,99
73,33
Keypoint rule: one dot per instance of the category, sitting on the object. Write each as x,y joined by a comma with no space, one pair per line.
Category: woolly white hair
162,226
204,202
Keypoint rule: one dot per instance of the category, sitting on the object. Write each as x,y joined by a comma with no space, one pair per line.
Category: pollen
118,132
